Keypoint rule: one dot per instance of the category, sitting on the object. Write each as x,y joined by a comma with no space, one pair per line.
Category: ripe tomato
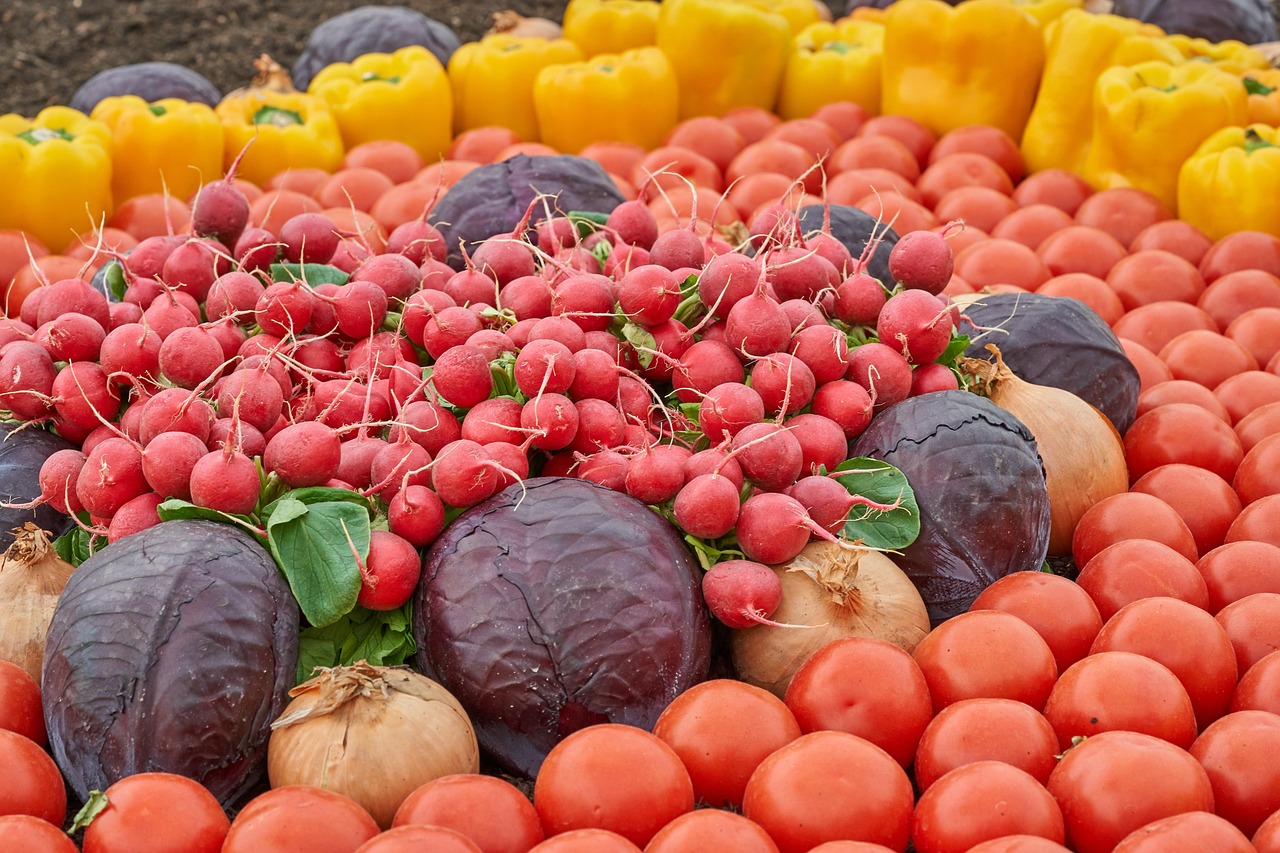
1259,521
986,654
1120,517
1258,475
1206,502
1156,324
1081,249
411,839
1187,640
1237,569
1061,612
1058,187
1243,250
1238,752
490,811
20,710
1257,425
1089,289
1114,782
614,777
1173,235
850,847
986,730
1238,292
711,829
982,139
586,841
1018,844
1123,212
1247,392
981,801
911,133
1258,331
300,819
1181,391
1120,691
983,207
866,687
160,812
1189,832
21,832
1259,690
1253,624
961,169
32,783
1139,568
1151,370
704,725
827,786
1152,276
1001,262
875,152
1267,838
1180,432
1206,357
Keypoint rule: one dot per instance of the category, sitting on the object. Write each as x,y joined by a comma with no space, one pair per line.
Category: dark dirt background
49,47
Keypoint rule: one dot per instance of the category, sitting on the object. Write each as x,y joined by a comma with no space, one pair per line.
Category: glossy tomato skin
711,829
33,835
1259,689
158,812
986,654
1267,838
1239,754
1189,832
490,811
986,730
1019,844
1125,516
586,841
415,838
1253,624
20,710
1133,569
829,786
300,819
1114,782
981,801
1236,569
1181,432
1206,502
32,784
1061,612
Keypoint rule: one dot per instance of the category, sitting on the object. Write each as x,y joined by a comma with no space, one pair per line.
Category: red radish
757,326
359,307
343,402
428,424
859,300
728,408
464,474
595,375
725,281
274,367
931,377
492,343
100,433
220,210
173,409
558,328
147,259
606,468
846,403
71,337
511,462
785,383
110,478
556,233
802,314
284,309
462,376
827,502
417,240
27,375
671,339
707,506
648,294
167,462
72,296
397,276
519,331
12,329
449,327
435,274
262,345
702,367
495,419
123,313
544,366
677,248
254,395
355,465
84,396
824,350
389,573
551,420
225,480
318,355
600,426
303,454
225,431
470,287
585,299
189,356
742,593
633,223
655,474
504,258
416,514
883,371
351,252
57,479
822,442
255,250
228,335
773,528
376,355
166,315
829,247
799,273
137,514
398,465
922,260
635,398
916,324
714,460
309,238
193,267
769,454
527,297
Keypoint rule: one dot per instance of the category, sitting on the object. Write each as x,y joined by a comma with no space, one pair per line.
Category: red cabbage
23,449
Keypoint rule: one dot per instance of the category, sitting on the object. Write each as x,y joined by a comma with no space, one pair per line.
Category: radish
470,287
707,506
189,356
355,463
916,324
847,403
228,335
303,454
606,468
635,398
648,294
420,308
773,528
802,314
71,337
725,281
225,480
225,431
359,307
922,260
397,276
464,474
449,327
827,502
397,465
123,313
677,248
390,572
931,377
339,403
310,238
824,244
585,299
495,419
728,408
314,357
634,224
254,395
255,250
756,325
284,309
375,356
57,479
137,514
559,328
824,349
859,299
12,329
84,396
769,454
714,460
623,258
492,344
72,296
418,240
111,477
742,593
600,426
555,234
595,375
428,424
798,273
822,442
146,261
504,258
670,341
462,376
551,420
27,374
274,367
527,297
544,366
883,371
511,462
417,515
193,267
656,473
220,210
785,383
703,366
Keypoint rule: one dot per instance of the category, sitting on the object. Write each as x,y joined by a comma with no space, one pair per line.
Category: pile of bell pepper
1114,100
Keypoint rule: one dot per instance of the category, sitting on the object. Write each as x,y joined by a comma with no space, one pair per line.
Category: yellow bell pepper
976,63
726,54
1149,118
868,13
1263,88
373,96
1229,183
56,173
610,26
626,97
288,130
1047,11
493,81
1234,56
833,62
169,146
799,13
1080,46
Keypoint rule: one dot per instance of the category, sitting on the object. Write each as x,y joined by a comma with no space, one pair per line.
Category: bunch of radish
718,385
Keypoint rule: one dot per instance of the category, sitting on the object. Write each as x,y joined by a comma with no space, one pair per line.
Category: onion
512,23
372,733
268,76
840,591
1083,454
32,576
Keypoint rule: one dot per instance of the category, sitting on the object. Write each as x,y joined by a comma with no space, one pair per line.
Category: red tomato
1173,235
1032,224
614,777
993,262
1134,569
1120,691
1089,289
1122,212
1259,690
1242,250
961,239
20,710
586,841
713,138
1120,517
1078,248
1260,521
850,847
1253,624
982,207
816,137
982,139
300,819
21,832
1239,754
1114,782
1267,839
844,117
1187,640
1206,357
1258,331
32,783
1182,391
1238,292
905,214
1237,569
704,725
875,152
160,813
1155,324
1206,502
1189,832
911,133
711,829
1257,425
828,786
856,183
1153,276
1018,844
1151,370
986,730
753,123
866,687
962,169
412,839
986,654
1061,612
490,811
1058,187
1182,433
1259,473
17,248
981,801
1247,392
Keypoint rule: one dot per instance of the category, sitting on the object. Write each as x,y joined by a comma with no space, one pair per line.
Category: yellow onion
1083,454
829,592
32,576
512,23
372,733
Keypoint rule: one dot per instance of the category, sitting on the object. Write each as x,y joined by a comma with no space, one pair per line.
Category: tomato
300,819
1253,624
1237,569
1180,432
1123,212
1018,844
982,139
1182,391
490,811
1187,640
1089,289
614,777
816,137
850,847
844,117
1114,782
827,786
1059,610
20,710
704,725
1259,690
1260,521
1238,752
1247,391
1148,277
962,238
1155,324
986,654
982,207
1258,475
893,207
981,801
1120,691
986,730
586,841
995,262
158,812
1238,292
1189,832
1267,838
17,249
875,152
1135,569
1079,248
1058,187
1173,235
32,783
1206,502
911,133
1258,331
21,832
711,829
962,169
411,839
35,274
1206,357
1242,250
1257,425
1151,370
1120,517
866,687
